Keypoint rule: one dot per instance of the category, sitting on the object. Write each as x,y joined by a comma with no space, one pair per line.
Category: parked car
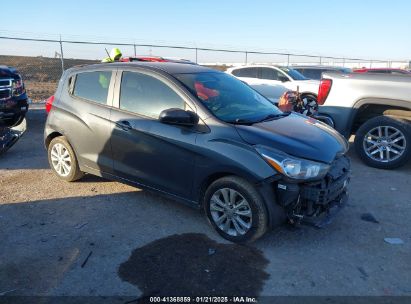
315,71
13,97
272,81
383,71
199,136
374,107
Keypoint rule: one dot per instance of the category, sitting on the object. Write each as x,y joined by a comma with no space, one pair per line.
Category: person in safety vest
115,55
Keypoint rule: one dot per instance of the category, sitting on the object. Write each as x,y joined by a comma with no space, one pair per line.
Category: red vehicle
154,59
383,71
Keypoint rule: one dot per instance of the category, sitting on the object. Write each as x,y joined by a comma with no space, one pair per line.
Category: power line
190,48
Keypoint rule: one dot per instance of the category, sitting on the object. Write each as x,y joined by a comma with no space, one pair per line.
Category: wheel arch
50,137
276,214
208,180
367,108
309,93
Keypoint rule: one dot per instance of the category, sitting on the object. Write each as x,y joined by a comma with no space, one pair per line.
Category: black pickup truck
13,107
13,98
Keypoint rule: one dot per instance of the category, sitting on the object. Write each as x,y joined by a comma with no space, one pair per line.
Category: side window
270,74
146,95
246,72
92,86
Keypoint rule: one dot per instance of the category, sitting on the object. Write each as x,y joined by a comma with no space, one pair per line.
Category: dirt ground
97,237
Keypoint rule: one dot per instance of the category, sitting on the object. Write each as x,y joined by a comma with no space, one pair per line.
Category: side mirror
283,79
176,116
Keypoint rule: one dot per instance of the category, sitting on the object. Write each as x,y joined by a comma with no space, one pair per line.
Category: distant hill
41,68
40,74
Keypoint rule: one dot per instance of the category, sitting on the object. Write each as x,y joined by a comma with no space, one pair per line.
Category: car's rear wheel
235,209
63,160
384,142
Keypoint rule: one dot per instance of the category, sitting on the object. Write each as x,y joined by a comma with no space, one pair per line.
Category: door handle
124,125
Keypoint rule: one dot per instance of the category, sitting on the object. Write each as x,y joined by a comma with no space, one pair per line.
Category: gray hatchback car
199,136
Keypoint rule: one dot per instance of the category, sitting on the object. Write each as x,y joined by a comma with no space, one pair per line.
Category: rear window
92,86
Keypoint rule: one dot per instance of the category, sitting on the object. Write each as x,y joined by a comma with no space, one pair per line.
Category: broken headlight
293,167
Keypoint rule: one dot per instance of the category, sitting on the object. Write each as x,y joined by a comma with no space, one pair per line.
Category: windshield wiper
274,116
241,121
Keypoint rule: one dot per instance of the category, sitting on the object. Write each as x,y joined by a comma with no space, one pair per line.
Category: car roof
167,67
322,67
380,69
257,66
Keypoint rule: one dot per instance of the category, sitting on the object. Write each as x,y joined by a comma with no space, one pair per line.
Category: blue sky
368,29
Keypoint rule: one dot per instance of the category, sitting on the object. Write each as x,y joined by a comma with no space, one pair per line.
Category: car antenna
107,53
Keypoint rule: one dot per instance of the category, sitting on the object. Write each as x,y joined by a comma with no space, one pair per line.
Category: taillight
49,103
324,89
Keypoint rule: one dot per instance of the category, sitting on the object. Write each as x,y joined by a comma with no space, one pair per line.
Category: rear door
84,115
145,150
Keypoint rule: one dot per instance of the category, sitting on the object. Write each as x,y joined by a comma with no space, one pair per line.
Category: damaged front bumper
316,203
9,136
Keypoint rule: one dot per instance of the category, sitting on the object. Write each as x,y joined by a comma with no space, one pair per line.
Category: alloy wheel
231,212
384,143
61,160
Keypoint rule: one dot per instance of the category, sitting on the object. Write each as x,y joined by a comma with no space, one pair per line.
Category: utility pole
61,57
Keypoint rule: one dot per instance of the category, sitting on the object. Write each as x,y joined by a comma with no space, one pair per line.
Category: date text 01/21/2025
203,300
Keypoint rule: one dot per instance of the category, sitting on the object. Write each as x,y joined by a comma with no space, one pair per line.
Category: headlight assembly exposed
293,167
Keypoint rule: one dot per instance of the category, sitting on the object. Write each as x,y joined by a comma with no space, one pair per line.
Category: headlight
292,167
18,87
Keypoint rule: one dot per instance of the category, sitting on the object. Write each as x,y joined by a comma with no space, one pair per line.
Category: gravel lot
48,228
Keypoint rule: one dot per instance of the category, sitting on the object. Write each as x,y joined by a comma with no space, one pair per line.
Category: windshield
293,73
228,98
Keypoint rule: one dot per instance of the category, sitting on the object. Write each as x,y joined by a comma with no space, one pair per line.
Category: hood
310,81
306,86
297,135
8,72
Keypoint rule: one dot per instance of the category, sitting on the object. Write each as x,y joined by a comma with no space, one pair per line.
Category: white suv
272,81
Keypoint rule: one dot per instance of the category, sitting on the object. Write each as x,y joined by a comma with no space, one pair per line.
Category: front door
145,150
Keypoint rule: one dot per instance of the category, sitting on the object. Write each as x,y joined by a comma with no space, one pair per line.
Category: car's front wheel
63,160
309,104
384,142
235,209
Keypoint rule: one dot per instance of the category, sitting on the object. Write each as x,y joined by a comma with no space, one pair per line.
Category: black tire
312,107
259,217
74,173
382,121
